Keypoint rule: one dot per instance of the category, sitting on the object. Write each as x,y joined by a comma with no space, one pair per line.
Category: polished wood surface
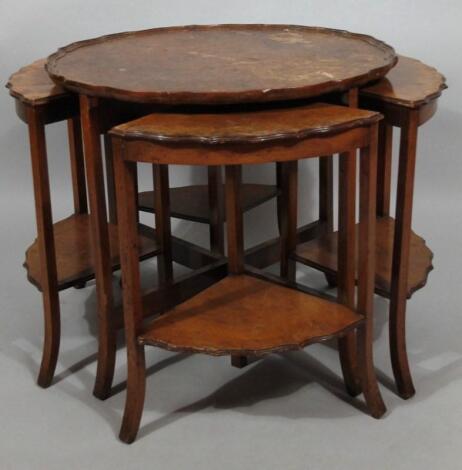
411,83
243,314
267,125
74,253
192,202
32,85
321,253
220,63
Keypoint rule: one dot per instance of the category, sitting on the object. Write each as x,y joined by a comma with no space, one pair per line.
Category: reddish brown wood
217,321
401,252
346,264
220,63
384,169
288,217
240,315
45,247
100,243
234,213
321,253
73,252
326,192
79,187
346,254
366,261
110,180
133,309
251,127
163,227
216,212
193,202
410,83
32,85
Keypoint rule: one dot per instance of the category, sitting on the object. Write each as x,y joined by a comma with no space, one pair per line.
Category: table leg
401,246
217,236
326,202
111,193
163,224
384,168
79,187
46,246
346,264
366,274
288,217
100,244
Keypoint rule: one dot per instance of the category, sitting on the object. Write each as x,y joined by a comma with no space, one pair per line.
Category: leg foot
348,360
239,361
134,402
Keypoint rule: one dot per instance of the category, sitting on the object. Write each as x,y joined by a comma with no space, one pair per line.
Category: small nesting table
107,81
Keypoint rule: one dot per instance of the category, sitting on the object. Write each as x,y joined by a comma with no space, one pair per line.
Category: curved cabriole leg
89,114
45,238
366,275
401,246
346,266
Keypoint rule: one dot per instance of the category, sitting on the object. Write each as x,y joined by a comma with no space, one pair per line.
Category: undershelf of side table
192,202
245,315
73,251
321,253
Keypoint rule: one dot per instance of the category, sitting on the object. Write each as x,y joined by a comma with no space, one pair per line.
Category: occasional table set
222,97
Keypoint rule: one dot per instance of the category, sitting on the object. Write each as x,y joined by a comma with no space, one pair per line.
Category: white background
200,413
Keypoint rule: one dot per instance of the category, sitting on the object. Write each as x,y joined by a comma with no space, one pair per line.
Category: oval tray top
220,64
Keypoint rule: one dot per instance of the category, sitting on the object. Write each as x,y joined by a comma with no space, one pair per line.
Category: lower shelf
244,315
73,251
321,253
192,202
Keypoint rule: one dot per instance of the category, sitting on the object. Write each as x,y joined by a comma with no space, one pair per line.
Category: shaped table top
220,64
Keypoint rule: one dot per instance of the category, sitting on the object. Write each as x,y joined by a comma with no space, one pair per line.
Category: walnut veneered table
195,66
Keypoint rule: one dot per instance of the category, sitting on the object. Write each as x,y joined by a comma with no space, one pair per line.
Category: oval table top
220,64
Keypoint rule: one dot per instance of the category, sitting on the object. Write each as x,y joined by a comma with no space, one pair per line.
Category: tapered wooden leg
217,236
163,226
401,246
233,175
133,314
100,245
326,202
45,239
79,185
384,163
366,275
346,265
288,217
111,192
